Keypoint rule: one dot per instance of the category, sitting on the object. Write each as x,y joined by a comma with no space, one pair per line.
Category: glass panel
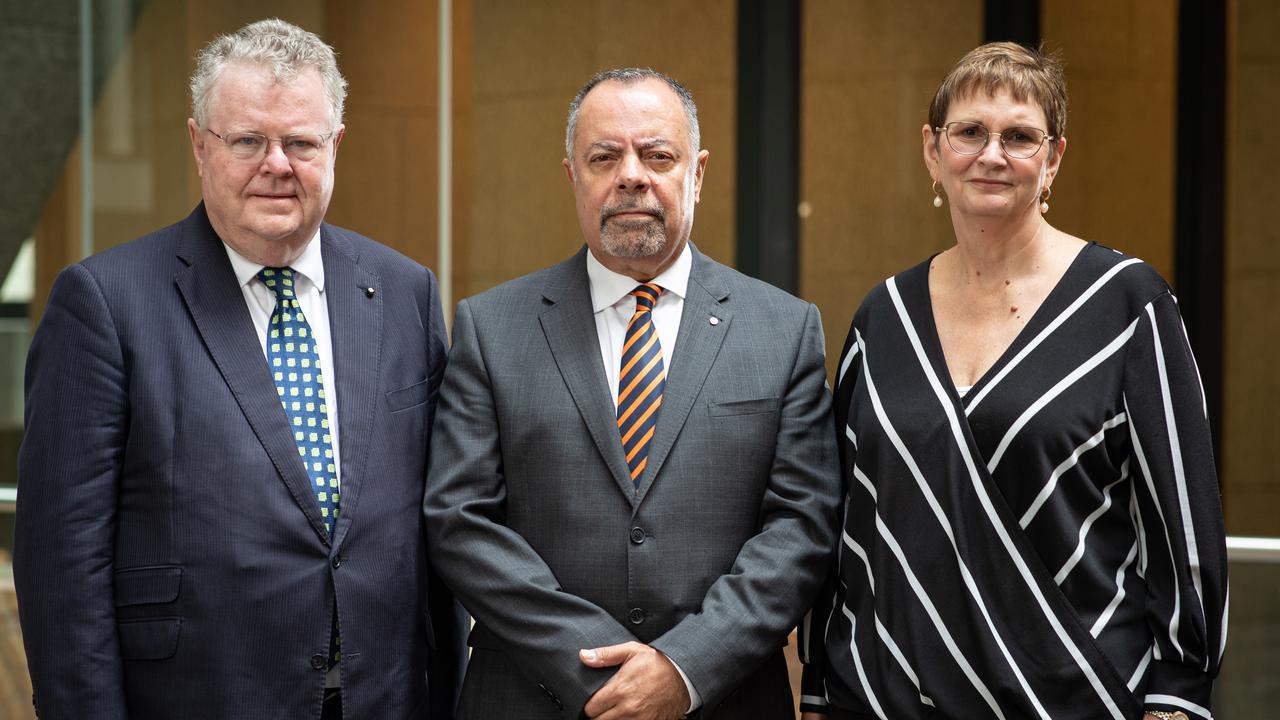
1251,344
1249,687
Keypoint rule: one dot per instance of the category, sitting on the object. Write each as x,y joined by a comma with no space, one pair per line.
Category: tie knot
279,281
647,295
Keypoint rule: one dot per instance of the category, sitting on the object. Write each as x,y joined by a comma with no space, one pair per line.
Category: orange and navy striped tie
640,381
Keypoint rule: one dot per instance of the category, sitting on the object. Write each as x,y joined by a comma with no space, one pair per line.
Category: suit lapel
570,329
355,326
213,297
697,345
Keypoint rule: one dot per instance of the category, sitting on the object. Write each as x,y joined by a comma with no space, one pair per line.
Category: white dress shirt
614,306
308,288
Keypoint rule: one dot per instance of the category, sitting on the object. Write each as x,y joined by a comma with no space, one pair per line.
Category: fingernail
589,655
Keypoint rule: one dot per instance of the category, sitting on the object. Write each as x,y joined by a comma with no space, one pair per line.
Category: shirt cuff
695,700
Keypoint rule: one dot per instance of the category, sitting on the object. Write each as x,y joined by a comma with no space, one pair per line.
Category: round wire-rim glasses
250,146
971,138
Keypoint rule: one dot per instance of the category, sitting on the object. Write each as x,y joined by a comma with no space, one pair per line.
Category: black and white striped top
1048,546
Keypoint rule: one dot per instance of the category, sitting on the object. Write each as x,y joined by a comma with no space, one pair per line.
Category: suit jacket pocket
409,397
143,635
742,407
149,639
149,585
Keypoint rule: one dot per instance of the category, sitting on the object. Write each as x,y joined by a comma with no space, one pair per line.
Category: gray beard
633,240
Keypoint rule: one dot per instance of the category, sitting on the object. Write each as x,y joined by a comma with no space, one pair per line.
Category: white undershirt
308,288
614,306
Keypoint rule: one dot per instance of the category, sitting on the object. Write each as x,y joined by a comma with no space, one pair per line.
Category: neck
1001,247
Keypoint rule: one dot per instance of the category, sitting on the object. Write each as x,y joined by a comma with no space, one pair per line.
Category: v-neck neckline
1050,306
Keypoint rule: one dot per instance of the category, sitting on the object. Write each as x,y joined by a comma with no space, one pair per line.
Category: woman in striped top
1033,526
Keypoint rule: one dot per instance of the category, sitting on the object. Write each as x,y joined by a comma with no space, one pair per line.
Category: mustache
609,211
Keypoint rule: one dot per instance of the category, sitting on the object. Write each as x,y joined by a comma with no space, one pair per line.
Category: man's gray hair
286,48
627,76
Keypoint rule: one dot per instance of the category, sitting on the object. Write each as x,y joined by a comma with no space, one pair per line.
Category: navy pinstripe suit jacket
170,559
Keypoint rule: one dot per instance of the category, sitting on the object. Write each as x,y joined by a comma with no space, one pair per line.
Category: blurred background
812,112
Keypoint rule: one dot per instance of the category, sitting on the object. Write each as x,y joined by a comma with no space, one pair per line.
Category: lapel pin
368,292
713,320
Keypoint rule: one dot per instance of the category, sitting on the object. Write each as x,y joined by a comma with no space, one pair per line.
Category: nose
993,151
275,161
632,176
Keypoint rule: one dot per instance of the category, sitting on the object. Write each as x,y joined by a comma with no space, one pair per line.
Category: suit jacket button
319,662
636,616
337,561
637,535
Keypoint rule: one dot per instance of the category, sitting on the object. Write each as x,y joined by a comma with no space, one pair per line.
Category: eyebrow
647,144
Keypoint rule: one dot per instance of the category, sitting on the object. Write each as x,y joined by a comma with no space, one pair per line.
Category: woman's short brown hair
1026,74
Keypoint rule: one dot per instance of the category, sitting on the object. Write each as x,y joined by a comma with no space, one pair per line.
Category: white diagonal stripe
1139,453
1140,671
857,665
1048,330
993,518
1179,702
1110,610
1066,465
813,700
1102,509
1053,392
1179,472
844,365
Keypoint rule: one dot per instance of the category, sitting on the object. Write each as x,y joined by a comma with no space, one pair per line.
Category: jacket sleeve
77,425
812,630
1182,546
499,577
749,609
447,661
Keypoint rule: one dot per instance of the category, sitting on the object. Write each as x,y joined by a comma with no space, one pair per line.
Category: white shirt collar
608,287
310,264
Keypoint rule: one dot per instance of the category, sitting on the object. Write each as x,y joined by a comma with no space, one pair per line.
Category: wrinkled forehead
255,92
625,111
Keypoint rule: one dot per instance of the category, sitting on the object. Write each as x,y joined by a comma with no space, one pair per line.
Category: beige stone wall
387,186
1251,407
869,71
1116,185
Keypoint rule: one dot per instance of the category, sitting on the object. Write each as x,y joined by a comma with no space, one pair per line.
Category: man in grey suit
633,480
219,510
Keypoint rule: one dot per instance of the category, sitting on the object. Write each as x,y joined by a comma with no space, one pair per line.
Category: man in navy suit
226,439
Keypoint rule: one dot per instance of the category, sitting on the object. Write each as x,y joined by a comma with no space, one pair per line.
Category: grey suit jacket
533,520
170,558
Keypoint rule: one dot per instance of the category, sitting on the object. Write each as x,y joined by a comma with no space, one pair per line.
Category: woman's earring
1044,199
937,195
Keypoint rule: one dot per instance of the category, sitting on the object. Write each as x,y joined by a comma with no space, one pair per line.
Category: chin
276,227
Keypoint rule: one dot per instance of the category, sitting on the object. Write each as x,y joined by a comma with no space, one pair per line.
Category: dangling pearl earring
937,195
1044,199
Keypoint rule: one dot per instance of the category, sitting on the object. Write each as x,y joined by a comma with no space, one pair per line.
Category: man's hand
646,687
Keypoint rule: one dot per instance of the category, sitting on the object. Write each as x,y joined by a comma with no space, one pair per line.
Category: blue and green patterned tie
295,367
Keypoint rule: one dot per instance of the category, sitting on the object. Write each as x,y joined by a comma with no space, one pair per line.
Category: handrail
1253,549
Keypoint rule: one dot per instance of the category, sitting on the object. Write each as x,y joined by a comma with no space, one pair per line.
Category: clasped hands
645,687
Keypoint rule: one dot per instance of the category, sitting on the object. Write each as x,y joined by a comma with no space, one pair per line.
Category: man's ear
197,144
